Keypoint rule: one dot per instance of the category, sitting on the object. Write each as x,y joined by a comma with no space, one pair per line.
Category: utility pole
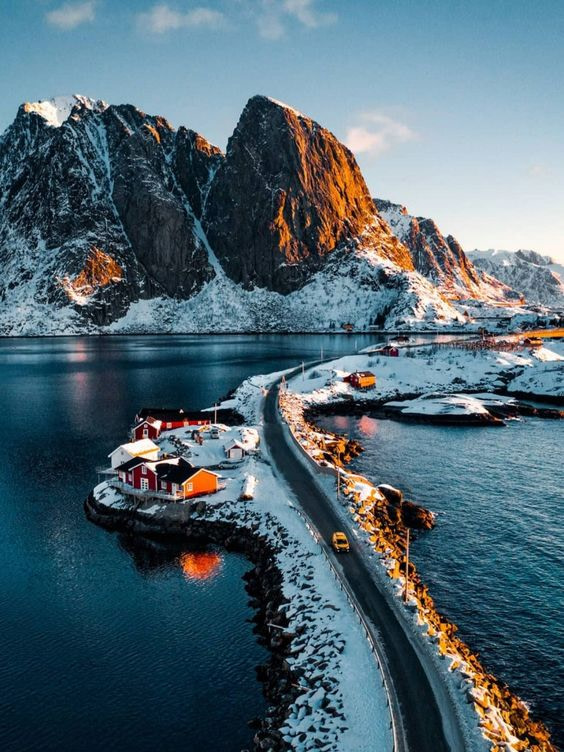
406,564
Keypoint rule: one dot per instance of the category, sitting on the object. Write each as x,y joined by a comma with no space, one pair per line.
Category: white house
143,448
235,451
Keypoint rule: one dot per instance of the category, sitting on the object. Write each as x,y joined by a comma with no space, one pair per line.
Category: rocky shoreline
504,718
262,583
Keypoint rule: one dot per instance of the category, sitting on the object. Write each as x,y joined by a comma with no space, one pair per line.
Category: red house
150,428
389,350
173,478
172,417
361,379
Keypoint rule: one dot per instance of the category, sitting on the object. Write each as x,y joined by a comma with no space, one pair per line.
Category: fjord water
106,645
495,560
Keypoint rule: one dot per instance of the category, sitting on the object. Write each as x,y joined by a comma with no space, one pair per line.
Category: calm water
495,561
105,647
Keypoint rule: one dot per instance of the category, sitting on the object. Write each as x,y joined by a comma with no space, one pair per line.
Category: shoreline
504,718
262,584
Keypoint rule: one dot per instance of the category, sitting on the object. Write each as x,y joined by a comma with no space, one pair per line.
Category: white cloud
377,133
162,18
538,170
271,16
71,15
306,12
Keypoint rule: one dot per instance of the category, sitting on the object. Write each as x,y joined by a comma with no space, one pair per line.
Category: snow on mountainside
539,278
440,258
111,219
56,111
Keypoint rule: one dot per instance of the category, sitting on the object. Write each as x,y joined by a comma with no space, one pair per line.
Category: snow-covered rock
538,278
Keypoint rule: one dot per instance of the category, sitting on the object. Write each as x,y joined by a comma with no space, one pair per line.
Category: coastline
302,616
504,718
466,679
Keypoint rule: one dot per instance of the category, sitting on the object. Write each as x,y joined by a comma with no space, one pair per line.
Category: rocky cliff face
438,257
107,180
538,278
287,195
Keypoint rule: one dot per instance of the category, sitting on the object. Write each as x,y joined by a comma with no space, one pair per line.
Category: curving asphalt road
427,718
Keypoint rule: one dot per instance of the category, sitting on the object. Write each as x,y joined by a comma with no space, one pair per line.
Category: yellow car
340,542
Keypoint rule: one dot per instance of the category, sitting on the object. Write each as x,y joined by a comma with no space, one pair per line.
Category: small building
235,451
361,379
175,477
172,417
391,351
149,428
144,448
533,342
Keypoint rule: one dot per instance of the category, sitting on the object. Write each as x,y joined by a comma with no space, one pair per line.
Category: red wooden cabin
150,428
173,417
175,477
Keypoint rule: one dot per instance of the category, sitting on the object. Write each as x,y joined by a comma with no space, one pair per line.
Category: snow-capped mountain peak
56,111
539,278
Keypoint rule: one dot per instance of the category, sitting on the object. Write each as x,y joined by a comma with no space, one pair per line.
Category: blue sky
453,108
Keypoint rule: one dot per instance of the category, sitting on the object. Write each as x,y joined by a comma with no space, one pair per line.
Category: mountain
441,259
111,219
539,278
287,195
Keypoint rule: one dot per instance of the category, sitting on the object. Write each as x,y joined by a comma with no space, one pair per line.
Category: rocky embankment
301,615
263,584
384,517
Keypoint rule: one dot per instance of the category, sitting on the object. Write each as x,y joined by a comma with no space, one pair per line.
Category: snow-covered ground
211,452
419,370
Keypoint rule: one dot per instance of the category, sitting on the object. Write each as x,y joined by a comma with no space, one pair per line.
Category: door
144,484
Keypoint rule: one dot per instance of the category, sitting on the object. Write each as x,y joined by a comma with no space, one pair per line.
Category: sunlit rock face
439,257
288,194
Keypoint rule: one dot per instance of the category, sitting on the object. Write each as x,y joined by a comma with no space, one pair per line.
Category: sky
454,108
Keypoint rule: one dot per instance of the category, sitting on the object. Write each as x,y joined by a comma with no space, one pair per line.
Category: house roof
177,470
139,448
363,373
125,467
151,421
170,414
235,444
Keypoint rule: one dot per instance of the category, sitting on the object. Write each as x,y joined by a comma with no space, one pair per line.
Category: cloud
271,16
377,133
538,170
161,18
71,15
306,12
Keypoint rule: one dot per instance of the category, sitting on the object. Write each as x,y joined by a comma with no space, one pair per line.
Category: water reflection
200,565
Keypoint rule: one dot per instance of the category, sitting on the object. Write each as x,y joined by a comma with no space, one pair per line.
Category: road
427,716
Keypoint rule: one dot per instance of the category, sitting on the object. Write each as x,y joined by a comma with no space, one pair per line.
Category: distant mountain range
112,220
538,278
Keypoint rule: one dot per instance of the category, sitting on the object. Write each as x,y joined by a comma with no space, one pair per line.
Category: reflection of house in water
200,565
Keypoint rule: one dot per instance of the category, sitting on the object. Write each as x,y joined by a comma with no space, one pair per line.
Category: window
144,469
144,484
145,433
169,425
189,487
163,485
129,477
